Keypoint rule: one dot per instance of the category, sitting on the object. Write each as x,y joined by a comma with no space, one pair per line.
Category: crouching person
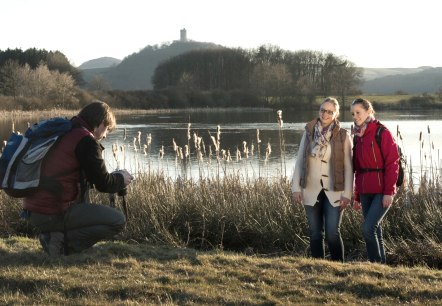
67,222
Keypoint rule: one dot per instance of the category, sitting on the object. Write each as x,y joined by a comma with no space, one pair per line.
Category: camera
122,192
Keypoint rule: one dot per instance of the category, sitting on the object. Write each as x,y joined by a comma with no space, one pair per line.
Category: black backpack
402,162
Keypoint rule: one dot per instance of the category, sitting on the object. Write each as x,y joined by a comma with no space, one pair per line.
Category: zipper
376,162
362,153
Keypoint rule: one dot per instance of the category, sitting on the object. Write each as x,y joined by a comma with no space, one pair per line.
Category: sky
370,34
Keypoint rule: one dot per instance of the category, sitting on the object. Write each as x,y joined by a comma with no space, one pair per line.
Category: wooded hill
135,72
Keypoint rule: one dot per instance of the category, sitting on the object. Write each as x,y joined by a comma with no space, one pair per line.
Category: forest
217,77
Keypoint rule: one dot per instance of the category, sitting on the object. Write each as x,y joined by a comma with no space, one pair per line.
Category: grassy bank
258,217
116,273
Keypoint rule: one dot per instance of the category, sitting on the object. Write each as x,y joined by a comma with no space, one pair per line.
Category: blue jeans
323,216
373,212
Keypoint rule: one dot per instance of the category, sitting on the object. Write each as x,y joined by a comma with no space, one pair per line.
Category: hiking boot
52,243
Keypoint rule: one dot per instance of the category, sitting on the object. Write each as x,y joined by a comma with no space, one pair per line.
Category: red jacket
77,152
367,155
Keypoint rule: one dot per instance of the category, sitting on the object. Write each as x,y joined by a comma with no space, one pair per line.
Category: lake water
238,130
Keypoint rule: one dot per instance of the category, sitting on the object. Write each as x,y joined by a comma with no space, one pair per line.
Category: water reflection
239,131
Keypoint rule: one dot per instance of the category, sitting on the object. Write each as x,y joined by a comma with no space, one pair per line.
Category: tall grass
233,210
257,216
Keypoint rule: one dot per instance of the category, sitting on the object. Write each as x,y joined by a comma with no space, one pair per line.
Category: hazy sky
374,33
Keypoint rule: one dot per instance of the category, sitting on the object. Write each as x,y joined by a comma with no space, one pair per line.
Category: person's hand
387,200
126,176
297,197
357,205
344,202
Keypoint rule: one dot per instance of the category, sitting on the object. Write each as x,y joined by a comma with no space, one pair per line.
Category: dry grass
115,273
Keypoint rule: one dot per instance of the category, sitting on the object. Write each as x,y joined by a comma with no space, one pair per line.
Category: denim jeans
83,225
323,217
373,212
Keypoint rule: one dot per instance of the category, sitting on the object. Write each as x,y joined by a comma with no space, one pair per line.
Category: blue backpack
22,159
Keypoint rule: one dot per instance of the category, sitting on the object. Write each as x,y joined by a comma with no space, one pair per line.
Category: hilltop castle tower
183,35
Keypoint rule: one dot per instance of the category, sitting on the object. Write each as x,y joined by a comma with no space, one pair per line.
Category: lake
139,140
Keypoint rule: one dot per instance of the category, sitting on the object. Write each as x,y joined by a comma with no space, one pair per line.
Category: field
116,273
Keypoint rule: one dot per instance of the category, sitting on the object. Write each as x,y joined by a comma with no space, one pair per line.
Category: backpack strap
378,135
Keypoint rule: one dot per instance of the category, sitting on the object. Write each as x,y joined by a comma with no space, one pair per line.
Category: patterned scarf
321,138
360,130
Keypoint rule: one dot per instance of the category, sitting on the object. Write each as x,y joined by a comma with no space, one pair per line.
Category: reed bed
254,214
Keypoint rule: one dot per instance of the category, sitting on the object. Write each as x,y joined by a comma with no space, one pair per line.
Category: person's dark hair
365,104
97,112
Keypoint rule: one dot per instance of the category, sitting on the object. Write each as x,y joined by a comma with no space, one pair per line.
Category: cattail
218,132
252,149
280,122
245,149
145,149
257,137
149,139
215,143
115,152
229,156
139,139
268,151
162,152
186,151
135,146
175,147
180,152
195,140
198,142
218,136
224,154
428,128
123,152
420,136
238,154
202,145
188,131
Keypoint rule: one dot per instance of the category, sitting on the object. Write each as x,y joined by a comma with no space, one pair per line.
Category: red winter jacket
367,155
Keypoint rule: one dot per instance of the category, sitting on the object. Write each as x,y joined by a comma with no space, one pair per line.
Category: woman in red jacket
376,172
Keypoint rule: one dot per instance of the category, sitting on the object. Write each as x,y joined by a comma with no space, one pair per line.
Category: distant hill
135,71
375,73
102,62
413,81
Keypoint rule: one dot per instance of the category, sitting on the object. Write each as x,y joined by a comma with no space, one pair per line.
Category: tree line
218,77
278,76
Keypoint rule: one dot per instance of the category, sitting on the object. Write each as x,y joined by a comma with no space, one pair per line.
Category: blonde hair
333,101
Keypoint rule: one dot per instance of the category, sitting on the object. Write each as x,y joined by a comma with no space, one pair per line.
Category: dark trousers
83,225
323,217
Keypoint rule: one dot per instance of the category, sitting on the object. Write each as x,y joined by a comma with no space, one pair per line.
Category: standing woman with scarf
376,172
323,179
